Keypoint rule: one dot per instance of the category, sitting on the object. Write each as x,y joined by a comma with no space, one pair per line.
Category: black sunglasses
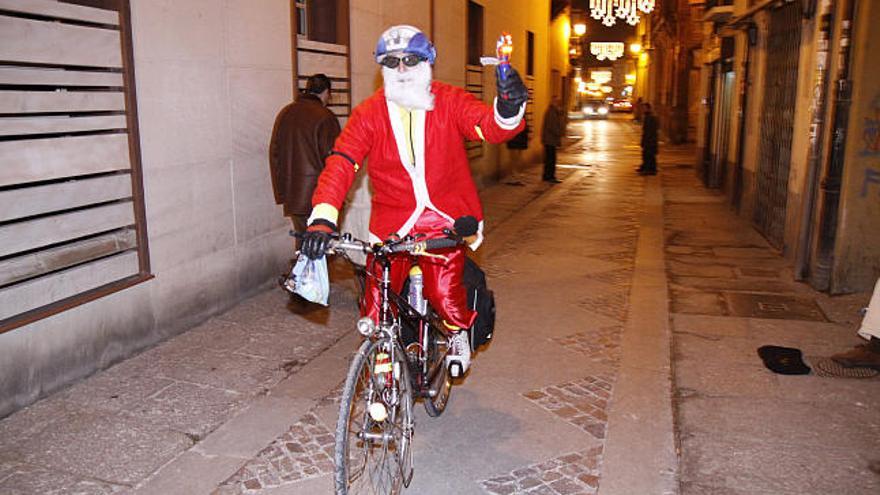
408,60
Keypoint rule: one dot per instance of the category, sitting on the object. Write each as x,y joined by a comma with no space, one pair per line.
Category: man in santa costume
411,133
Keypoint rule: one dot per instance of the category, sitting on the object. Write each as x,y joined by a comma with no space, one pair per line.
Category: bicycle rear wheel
373,454
440,384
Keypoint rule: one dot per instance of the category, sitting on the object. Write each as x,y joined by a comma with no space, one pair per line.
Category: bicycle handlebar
412,246
346,242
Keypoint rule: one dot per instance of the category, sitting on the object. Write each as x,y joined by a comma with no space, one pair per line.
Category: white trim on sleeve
509,123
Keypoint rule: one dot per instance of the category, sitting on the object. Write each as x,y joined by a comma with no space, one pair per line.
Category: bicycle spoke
373,458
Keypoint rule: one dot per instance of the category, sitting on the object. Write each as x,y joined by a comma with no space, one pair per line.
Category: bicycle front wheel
375,425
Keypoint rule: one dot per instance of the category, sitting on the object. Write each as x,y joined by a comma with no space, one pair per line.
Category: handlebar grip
441,243
429,245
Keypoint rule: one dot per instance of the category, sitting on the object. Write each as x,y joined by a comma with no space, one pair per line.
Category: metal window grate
474,85
777,122
72,223
326,53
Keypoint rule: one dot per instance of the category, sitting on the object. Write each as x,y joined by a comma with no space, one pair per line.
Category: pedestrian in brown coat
303,136
551,138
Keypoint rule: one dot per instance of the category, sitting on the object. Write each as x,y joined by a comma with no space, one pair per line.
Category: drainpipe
751,39
814,158
830,200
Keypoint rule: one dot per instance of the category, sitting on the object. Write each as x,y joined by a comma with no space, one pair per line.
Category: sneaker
458,358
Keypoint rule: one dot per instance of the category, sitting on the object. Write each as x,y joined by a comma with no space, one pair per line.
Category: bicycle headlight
378,412
366,326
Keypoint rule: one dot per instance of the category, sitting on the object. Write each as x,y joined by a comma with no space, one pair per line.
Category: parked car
622,105
596,109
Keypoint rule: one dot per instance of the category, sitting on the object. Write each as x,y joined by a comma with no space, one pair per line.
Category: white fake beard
410,89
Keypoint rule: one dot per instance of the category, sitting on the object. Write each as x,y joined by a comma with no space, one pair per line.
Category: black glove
466,226
316,238
512,93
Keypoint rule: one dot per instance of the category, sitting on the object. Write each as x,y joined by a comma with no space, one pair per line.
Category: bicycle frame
394,375
422,322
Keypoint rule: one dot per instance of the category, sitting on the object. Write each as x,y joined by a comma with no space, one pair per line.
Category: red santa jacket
439,178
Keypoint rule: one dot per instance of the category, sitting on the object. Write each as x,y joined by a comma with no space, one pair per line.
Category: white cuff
476,244
508,123
324,211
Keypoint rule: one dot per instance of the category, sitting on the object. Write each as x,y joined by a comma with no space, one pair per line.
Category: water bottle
416,299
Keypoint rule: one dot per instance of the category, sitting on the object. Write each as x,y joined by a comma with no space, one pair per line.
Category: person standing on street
303,136
866,355
649,141
637,111
551,138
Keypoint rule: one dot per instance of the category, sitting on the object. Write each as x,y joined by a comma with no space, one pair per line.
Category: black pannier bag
481,300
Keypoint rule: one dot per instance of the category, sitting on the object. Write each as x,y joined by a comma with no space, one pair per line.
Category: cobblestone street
618,366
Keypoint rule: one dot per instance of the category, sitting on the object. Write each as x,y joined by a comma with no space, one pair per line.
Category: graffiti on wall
871,131
872,178
871,147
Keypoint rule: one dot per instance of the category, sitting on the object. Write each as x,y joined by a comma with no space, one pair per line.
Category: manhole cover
828,368
773,306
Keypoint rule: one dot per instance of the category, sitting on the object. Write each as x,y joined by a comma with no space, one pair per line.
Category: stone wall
210,76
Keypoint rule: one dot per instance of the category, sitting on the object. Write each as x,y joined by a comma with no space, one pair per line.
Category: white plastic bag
309,279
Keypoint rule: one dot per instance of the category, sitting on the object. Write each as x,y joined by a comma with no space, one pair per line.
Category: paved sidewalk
743,429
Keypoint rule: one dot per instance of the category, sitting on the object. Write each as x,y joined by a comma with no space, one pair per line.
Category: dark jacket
551,132
649,131
303,135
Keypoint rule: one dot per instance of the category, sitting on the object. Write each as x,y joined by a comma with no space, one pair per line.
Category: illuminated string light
608,11
607,50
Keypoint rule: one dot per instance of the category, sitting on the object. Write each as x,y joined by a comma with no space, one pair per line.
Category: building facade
135,192
788,130
672,41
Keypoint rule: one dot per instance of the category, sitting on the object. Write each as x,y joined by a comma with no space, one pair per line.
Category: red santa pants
443,279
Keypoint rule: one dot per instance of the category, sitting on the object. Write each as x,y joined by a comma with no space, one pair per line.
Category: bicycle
375,427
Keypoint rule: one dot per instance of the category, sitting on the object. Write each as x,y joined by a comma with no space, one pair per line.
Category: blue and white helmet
407,39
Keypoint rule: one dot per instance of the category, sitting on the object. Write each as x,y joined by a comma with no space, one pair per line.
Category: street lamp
580,29
635,48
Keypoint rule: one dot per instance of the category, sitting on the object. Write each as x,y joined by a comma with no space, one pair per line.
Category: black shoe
553,180
647,172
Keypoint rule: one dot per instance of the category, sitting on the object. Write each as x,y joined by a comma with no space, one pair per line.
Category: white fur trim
415,171
510,122
476,244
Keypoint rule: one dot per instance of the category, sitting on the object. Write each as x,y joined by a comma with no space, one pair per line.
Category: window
72,223
302,17
530,53
474,33
473,69
325,21
556,83
321,46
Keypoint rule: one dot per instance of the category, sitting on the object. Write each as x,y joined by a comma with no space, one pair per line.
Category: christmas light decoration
600,76
603,50
608,11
